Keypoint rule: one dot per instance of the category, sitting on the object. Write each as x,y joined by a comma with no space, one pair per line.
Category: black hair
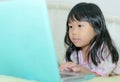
92,14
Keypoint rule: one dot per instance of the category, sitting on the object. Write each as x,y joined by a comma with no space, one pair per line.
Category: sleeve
117,68
104,69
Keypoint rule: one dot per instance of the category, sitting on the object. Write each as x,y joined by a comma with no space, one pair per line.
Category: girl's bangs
77,17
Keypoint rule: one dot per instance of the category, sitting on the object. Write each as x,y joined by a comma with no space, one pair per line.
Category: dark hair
92,14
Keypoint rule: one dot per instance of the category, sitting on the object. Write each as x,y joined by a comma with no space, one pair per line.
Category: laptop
26,45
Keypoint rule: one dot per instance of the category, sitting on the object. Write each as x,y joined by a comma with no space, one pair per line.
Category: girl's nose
75,31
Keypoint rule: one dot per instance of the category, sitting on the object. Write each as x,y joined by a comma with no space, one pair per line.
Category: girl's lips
76,39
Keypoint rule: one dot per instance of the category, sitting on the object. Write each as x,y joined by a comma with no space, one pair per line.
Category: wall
110,7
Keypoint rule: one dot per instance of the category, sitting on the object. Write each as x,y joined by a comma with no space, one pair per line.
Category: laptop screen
26,44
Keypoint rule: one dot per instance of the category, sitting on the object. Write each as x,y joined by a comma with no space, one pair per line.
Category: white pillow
114,30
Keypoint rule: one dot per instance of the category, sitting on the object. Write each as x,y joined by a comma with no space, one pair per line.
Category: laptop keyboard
75,77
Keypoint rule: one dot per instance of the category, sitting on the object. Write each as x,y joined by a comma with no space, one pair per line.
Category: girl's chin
77,45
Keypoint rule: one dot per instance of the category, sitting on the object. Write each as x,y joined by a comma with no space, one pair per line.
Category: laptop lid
26,44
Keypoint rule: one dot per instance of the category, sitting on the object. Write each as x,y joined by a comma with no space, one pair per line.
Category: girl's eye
70,26
79,25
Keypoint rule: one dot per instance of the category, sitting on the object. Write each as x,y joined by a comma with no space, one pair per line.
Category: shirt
105,68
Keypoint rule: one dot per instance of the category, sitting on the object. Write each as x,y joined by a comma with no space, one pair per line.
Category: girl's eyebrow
69,22
69,25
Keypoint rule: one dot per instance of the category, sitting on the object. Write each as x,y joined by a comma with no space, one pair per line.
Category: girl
90,48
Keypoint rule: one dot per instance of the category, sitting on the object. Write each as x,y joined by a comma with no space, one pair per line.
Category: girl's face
81,33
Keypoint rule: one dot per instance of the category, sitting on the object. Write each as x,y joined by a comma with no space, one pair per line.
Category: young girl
90,48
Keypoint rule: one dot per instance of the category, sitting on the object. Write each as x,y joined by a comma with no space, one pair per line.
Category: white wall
110,7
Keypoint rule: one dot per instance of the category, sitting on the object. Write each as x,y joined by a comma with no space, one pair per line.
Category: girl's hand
70,66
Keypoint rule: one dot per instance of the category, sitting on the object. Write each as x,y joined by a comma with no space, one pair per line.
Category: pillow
114,30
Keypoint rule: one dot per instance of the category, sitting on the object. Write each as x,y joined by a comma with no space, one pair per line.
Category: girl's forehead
79,22
75,20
